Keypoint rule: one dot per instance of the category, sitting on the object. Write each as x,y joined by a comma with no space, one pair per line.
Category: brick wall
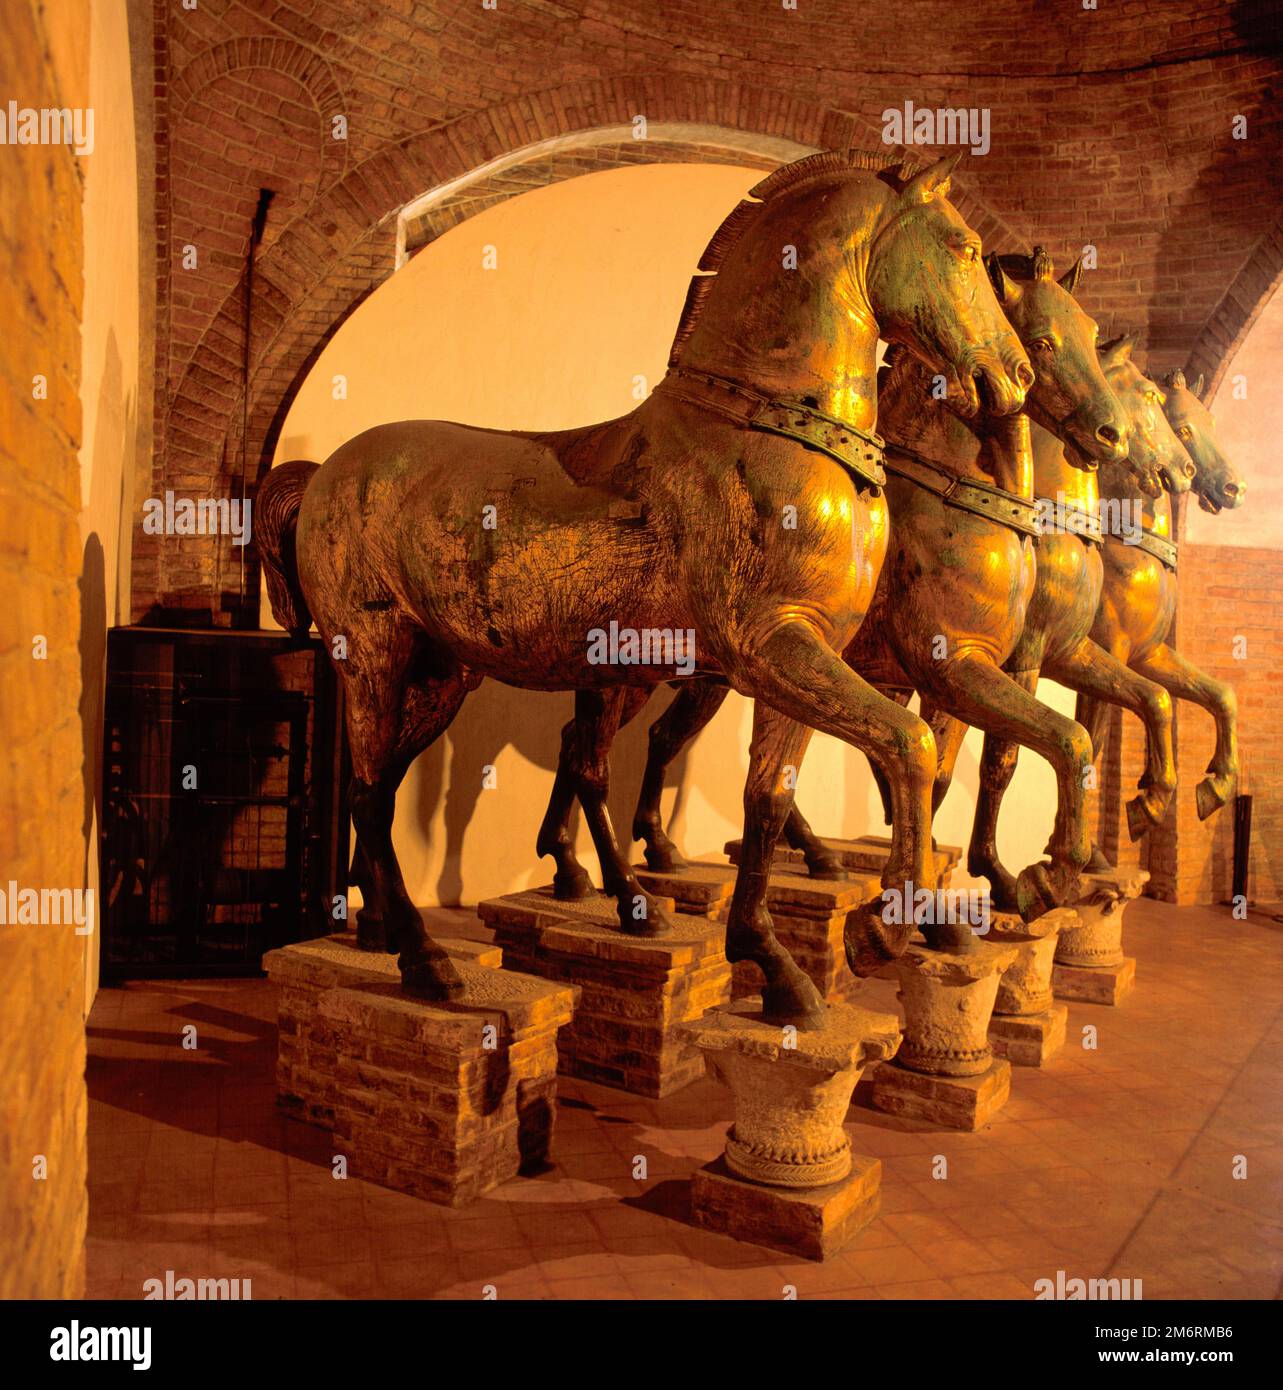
42,1100
1110,126
1229,592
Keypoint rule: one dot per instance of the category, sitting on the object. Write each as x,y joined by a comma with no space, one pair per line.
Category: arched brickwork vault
1110,127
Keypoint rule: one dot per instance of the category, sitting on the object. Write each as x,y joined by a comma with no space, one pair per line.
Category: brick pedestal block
635,990
444,1101
951,1102
809,916
867,855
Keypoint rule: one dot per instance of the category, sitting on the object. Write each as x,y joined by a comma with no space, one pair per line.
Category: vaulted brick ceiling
1111,126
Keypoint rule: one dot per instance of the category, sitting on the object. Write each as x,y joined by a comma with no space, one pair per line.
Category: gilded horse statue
1138,602
1055,640
952,596
741,504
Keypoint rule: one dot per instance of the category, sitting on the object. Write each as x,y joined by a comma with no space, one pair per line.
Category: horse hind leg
598,715
696,703
997,767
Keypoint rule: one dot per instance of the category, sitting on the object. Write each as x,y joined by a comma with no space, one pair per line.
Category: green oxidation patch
950,559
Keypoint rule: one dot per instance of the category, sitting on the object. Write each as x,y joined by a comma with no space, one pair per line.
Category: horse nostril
1107,434
1230,489
1025,375
1189,470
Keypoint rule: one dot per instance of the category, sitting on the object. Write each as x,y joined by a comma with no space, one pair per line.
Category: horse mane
894,170
1018,266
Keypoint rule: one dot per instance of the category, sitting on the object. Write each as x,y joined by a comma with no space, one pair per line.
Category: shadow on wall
496,718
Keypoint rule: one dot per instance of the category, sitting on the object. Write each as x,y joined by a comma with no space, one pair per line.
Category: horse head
1156,459
1070,396
926,283
1216,483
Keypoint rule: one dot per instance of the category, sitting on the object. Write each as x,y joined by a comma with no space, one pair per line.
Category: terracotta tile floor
1114,1161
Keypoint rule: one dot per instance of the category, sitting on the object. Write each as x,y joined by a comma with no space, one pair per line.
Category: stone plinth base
444,1101
867,855
1029,1040
809,916
1095,984
814,1223
953,1102
635,991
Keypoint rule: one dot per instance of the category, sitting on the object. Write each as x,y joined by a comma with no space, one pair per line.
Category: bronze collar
858,451
1162,548
983,499
1075,521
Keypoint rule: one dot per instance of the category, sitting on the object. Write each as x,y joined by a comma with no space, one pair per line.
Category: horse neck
1117,484
807,332
1055,477
991,449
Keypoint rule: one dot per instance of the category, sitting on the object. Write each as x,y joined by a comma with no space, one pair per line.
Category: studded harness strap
859,451
1162,548
982,499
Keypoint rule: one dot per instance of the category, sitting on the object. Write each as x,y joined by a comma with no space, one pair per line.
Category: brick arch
323,265
1231,321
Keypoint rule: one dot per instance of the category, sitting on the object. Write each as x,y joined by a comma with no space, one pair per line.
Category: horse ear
933,181
1118,349
1069,280
1197,387
1003,285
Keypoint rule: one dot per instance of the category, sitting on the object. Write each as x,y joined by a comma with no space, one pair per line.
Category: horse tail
276,511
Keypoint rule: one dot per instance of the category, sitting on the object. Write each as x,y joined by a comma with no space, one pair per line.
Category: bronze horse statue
741,504
952,596
1138,602
1055,640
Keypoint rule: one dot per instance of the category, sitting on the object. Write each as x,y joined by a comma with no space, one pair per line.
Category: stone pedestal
787,1178
867,855
1090,963
809,916
444,1101
1028,1025
635,991
946,1072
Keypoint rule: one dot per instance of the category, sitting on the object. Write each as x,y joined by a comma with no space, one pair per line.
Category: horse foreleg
779,743
390,719
1093,672
1093,715
821,862
696,703
984,696
997,768
1187,682
794,670
598,715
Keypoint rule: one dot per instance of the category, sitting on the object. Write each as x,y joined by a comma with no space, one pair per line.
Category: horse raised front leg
598,715
696,703
1091,670
1187,682
793,669
778,743
986,697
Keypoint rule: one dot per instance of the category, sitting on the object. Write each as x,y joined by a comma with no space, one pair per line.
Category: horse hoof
573,887
1043,886
828,867
794,1000
1210,795
653,921
430,974
664,861
871,943
1098,864
371,934
1144,812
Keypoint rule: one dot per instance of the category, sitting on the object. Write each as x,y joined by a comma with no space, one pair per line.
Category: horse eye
1043,345
1185,431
